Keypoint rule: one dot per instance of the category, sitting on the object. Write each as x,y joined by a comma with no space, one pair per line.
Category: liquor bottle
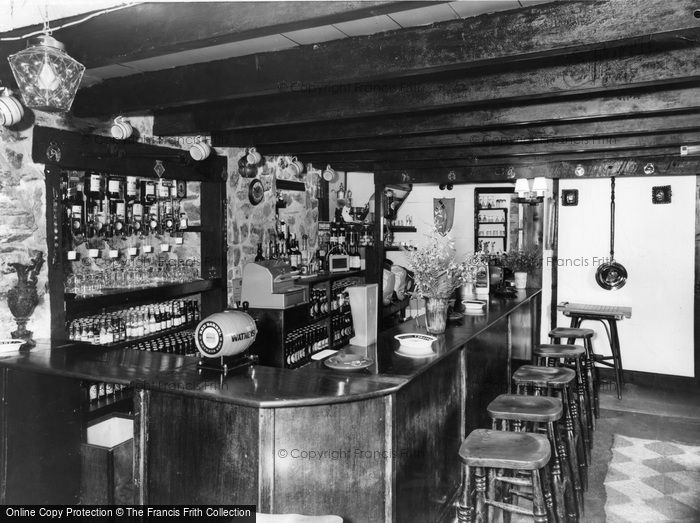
259,256
115,187
148,192
153,224
132,189
168,220
76,203
94,185
118,216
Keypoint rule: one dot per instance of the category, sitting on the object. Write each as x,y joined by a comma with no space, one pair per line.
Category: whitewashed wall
655,243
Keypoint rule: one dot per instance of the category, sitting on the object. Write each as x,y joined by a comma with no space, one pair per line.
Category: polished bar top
260,386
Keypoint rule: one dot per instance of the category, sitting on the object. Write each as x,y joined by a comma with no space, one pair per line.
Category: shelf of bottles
124,232
341,315
302,343
99,398
492,223
158,327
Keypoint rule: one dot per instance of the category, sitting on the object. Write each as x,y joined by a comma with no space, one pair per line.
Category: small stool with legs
553,355
486,456
559,382
591,373
540,414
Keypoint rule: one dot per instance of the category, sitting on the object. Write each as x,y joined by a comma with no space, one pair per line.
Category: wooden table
608,315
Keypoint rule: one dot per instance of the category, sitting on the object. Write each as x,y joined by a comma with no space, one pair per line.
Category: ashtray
473,305
10,345
415,342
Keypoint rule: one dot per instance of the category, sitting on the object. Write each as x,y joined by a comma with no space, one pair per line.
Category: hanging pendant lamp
47,76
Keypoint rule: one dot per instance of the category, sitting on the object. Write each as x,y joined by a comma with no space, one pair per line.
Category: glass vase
436,314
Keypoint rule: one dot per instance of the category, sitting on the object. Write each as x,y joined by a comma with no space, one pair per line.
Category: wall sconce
528,195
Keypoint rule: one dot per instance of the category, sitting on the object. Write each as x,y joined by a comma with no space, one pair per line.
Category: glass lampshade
522,187
539,185
47,77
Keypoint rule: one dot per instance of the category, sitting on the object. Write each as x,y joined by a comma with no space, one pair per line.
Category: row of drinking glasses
130,276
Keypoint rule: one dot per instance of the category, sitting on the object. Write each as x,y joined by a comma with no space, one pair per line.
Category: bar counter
378,444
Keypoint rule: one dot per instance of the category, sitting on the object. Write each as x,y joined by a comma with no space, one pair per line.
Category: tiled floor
643,413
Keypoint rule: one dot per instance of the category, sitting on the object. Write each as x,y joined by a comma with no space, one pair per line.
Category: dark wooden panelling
200,452
41,435
543,30
428,423
488,374
349,483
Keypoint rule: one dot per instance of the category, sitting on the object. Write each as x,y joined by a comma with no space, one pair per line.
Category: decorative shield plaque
443,214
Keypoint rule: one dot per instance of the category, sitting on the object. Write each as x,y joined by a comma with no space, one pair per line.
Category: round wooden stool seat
509,450
516,407
570,332
556,377
555,350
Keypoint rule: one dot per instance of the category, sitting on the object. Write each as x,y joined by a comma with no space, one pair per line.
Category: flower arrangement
436,272
521,261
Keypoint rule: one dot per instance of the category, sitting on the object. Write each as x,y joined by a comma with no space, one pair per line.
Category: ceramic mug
11,111
254,156
293,168
122,129
200,151
328,173
300,165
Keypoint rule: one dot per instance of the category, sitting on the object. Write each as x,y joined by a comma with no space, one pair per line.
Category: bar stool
554,381
486,452
586,335
551,355
538,414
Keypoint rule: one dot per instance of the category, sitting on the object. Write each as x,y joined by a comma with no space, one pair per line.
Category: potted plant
521,263
436,275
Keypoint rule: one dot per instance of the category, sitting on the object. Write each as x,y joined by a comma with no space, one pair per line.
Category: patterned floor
652,481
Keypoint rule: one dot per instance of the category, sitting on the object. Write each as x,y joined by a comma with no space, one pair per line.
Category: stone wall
249,224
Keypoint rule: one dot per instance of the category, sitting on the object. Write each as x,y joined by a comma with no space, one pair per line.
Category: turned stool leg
584,406
570,500
464,509
538,504
480,483
591,380
576,458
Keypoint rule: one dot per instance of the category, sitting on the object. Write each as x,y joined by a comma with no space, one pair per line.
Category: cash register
269,284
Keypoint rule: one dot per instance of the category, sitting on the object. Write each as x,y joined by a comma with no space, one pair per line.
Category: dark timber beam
543,30
573,133
596,168
365,163
525,83
587,145
665,100
157,29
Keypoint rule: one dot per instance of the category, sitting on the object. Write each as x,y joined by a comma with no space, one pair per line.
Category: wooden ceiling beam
526,83
671,141
571,133
664,165
539,31
667,101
